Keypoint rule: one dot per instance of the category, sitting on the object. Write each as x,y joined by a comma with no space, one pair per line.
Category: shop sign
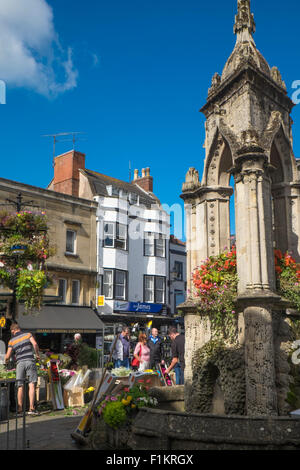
138,307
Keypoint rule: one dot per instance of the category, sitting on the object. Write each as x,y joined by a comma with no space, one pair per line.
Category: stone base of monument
155,429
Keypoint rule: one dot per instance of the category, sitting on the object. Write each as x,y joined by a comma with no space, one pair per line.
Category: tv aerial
64,137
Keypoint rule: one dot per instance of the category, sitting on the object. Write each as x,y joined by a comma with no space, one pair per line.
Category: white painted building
134,260
132,246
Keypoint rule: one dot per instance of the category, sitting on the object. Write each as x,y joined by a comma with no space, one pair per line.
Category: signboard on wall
101,300
138,307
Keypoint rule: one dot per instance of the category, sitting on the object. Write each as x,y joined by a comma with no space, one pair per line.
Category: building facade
72,232
133,233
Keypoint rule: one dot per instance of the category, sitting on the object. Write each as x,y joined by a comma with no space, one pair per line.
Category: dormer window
133,198
112,191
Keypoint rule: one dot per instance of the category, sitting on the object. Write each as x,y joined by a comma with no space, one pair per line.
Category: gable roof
99,182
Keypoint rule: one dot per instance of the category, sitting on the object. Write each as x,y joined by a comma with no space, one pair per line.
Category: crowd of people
148,352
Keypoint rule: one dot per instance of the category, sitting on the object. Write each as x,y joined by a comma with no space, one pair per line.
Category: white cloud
30,53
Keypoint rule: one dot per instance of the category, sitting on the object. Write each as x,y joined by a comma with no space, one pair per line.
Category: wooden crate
74,397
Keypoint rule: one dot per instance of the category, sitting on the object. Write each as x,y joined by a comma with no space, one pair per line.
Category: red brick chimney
66,172
146,181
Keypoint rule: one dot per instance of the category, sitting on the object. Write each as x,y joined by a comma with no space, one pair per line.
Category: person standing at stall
23,345
142,353
177,348
154,343
122,349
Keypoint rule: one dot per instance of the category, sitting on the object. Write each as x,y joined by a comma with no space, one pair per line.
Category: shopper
142,353
154,343
23,345
177,348
121,351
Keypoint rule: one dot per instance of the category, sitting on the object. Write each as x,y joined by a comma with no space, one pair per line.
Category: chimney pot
136,174
143,173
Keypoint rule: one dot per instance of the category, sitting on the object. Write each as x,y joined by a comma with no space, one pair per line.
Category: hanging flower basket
30,288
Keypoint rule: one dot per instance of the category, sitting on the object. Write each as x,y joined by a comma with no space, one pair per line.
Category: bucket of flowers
118,410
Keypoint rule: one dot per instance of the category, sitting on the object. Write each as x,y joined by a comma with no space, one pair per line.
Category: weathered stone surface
156,429
247,135
169,398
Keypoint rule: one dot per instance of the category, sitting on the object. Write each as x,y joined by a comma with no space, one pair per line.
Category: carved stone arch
219,160
284,173
277,143
225,165
210,174
282,158
215,364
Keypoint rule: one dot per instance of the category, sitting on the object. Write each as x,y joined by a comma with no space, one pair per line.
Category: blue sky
135,76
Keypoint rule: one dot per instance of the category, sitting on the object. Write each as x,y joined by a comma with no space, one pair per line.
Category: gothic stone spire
244,20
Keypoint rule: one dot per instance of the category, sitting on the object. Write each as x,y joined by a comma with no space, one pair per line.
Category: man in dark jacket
178,349
154,343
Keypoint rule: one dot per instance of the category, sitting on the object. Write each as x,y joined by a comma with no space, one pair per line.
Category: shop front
54,326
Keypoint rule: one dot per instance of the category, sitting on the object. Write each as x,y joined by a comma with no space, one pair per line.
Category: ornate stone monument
248,135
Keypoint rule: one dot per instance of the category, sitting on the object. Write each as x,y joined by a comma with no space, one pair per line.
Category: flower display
215,284
288,277
116,410
24,249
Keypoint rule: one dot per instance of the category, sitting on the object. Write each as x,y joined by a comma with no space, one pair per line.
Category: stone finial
215,82
191,180
244,20
276,76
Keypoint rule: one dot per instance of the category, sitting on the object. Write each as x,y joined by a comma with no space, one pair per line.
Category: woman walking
142,353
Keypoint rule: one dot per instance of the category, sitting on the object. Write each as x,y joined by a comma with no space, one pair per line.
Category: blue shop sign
140,307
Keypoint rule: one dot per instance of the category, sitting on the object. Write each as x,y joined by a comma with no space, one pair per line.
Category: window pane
121,241
160,290
75,292
149,289
109,234
120,285
62,289
149,244
108,284
70,244
179,270
160,247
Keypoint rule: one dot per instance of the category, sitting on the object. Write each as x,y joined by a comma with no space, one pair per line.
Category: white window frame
109,295
74,242
111,235
120,243
154,289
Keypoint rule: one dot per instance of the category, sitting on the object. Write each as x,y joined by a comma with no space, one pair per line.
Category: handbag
135,362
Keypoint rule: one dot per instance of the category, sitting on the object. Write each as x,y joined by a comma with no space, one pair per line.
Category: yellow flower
133,405
129,398
125,402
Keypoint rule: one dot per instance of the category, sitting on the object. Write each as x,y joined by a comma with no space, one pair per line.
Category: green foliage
88,356
215,285
114,414
30,288
24,272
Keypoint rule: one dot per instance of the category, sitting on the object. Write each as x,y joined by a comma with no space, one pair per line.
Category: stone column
256,272
261,394
254,236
